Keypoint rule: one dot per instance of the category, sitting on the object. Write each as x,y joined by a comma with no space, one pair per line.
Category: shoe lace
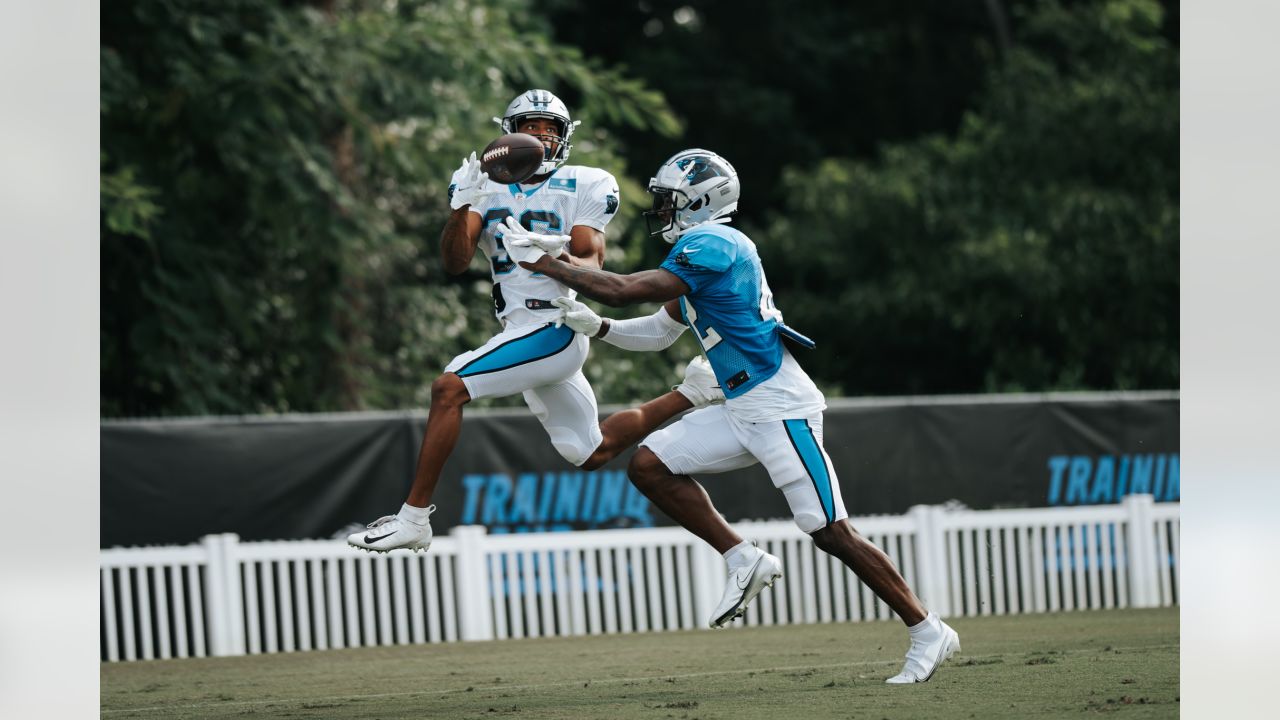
388,518
381,521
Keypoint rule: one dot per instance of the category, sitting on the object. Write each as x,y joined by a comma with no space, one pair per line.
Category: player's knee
602,454
830,537
574,453
825,535
574,446
815,525
645,469
448,389
806,509
596,460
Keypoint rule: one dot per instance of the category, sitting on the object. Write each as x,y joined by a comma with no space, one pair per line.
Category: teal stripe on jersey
806,445
537,345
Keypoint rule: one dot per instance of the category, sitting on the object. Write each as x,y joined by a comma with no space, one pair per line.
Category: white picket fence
224,597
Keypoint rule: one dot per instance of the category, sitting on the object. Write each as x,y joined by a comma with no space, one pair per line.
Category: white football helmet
691,188
542,104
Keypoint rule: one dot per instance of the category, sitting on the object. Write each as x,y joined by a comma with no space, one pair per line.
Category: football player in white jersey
535,354
713,282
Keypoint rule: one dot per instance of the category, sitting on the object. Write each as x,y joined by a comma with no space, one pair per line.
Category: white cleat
743,586
391,532
927,653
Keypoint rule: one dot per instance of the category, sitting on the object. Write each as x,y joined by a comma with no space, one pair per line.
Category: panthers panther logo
610,204
697,169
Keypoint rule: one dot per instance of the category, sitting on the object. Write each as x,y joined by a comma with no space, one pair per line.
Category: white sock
740,555
415,515
925,625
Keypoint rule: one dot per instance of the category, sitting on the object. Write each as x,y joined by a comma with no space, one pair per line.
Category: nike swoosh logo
380,537
744,575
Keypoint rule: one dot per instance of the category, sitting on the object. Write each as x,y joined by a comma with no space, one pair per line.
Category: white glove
526,246
579,317
700,383
472,185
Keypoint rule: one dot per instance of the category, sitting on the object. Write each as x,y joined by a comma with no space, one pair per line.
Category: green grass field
1115,663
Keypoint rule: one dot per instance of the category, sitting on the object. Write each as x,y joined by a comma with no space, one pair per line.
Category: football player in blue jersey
713,283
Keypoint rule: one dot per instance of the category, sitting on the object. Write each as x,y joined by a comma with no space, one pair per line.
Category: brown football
512,158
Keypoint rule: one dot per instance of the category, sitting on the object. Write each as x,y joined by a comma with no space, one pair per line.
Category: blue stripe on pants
537,345
806,445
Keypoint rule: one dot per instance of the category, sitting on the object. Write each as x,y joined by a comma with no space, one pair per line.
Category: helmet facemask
542,104
660,218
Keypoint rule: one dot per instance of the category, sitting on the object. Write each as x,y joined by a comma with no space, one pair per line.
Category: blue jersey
729,305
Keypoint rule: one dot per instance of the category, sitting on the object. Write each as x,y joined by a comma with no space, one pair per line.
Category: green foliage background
944,208
1036,248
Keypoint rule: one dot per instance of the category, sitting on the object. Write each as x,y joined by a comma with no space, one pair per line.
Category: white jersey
572,195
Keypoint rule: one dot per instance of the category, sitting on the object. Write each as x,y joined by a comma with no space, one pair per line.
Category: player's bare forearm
609,288
457,242
592,262
601,285
585,249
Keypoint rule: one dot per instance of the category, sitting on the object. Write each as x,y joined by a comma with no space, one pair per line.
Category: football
512,158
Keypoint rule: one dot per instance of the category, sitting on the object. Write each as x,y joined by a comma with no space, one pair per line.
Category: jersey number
528,219
709,338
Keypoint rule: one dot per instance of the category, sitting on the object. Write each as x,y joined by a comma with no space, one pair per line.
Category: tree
273,184
770,86
946,203
1036,249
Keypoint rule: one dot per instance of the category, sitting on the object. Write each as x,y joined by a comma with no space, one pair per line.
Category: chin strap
717,221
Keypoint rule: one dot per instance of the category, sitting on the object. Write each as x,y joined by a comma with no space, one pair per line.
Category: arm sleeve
599,202
652,332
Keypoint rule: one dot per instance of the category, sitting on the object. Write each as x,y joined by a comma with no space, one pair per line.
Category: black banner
313,476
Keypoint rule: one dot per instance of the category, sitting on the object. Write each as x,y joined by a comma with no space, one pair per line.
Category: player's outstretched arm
609,288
